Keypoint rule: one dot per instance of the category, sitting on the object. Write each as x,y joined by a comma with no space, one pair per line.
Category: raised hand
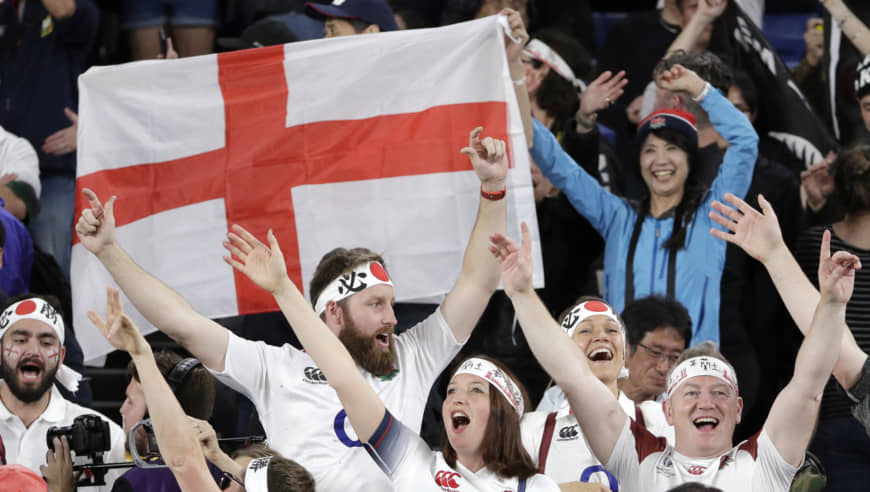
96,226
836,273
680,78
709,10
513,48
601,93
264,265
756,233
118,328
817,183
515,261
489,159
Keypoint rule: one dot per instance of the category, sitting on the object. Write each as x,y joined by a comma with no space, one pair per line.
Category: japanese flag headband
38,309
585,310
257,475
497,378
348,284
701,366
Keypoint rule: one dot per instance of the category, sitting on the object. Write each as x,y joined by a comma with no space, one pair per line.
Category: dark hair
693,190
694,487
744,82
2,235
852,178
336,262
283,474
503,451
196,394
650,313
556,96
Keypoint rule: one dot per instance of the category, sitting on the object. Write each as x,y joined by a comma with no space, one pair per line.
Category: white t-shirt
641,461
412,466
26,445
18,157
569,458
303,417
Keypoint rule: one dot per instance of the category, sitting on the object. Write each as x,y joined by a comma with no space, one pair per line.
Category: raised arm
851,25
792,417
480,274
593,403
264,265
759,235
162,306
179,447
513,46
696,35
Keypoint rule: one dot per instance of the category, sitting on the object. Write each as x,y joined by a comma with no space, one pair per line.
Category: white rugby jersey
643,462
568,457
413,467
303,417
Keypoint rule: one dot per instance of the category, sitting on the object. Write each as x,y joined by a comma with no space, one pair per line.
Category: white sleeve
245,366
552,400
541,483
655,420
624,462
17,156
426,349
531,431
773,471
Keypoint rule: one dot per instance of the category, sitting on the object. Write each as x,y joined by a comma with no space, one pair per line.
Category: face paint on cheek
54,355
10,351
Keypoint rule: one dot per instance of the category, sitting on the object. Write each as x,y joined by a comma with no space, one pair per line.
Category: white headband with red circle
701,366
585,310
39,310
347,284
497,378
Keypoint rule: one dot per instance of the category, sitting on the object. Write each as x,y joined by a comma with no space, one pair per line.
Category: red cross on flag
338,142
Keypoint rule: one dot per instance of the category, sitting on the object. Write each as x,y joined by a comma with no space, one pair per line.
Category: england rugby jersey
404,457
643,462
303,417
568,457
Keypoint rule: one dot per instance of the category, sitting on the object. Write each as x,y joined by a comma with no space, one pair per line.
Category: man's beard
27,395
364,350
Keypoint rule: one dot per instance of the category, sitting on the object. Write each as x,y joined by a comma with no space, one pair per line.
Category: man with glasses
658,330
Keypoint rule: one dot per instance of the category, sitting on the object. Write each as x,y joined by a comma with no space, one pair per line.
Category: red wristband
493,195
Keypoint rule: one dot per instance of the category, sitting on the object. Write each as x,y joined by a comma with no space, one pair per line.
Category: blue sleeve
600,207
735,173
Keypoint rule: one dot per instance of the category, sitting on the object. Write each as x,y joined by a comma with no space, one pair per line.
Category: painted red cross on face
263,159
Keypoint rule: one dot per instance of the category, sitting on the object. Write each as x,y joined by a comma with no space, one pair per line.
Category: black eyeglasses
661,356
227,479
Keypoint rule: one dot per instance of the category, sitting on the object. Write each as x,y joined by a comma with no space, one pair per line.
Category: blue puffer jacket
700,263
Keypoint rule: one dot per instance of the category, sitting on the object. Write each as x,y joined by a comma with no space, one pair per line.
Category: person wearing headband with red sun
703,401
553,437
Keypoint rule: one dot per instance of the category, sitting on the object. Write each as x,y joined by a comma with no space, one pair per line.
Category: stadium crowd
703,210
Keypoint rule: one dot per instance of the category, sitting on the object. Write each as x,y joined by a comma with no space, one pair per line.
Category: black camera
88,435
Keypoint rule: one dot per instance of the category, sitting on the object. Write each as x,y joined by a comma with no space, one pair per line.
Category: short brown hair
337,262
852,178
283,474
503,451
196,394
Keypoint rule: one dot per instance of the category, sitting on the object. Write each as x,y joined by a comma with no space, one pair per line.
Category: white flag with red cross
338,142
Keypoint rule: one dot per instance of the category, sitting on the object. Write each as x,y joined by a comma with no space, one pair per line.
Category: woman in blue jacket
662,244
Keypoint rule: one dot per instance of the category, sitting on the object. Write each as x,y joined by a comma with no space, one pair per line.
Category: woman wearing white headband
552,434
179,445
481,411
703,402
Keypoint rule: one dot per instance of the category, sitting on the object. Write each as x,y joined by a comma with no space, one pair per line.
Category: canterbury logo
447,480
314,375
697,469
568,433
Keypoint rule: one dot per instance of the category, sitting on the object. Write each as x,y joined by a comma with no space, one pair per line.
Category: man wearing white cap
31,341
703,402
